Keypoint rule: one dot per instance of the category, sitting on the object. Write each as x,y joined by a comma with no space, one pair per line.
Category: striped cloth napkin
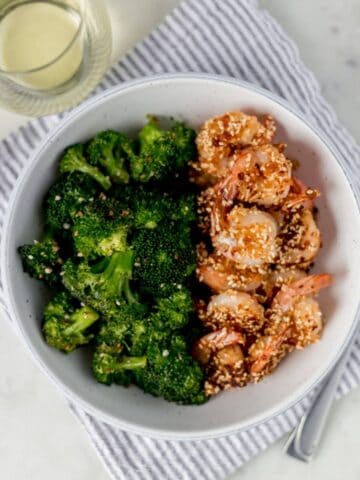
234,38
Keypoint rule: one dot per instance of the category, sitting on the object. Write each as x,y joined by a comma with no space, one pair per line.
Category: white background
39,438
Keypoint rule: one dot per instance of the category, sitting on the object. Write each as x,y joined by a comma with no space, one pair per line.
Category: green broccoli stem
70,164
82,319
119,174
117,270
130,363
130,297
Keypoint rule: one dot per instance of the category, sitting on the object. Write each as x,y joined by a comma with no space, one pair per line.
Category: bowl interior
192,100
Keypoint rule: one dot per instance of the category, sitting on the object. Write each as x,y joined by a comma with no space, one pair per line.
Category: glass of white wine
52,53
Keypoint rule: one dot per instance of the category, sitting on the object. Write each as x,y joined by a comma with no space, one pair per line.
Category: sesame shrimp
299,239
266,352
245,235
258,239
238,310
295,321
211,343
280,275
222,358
221,274
300,195
222,136
226,369
259,175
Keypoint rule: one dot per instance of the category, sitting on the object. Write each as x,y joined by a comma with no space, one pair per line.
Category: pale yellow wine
35,34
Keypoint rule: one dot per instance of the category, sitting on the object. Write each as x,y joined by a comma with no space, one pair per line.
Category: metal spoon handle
306,437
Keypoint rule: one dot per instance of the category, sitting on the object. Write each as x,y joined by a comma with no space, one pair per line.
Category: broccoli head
103,285
42,260
109,149
74,160
150,207
172,313
162,154
184,209
66,198
147,207
127,324
97,233
110,365
164,258
125,329
66,324
171,372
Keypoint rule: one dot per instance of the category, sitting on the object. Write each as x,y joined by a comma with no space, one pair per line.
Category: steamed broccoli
74,160
66,198
103,285
147,207
173,312
164,258
42,260
134,346
110,365
126,329
66,324
109,149
120,253
96,233
171,372
162,154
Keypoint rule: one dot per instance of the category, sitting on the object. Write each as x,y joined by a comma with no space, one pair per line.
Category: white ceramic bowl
192,98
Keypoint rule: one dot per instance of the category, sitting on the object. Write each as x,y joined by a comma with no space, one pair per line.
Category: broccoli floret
66,198
42,260
164,258
184,140
185,210
134,317
110,365
66,324
162,154
126,328
145,207
171,372
96,233
136,347
149,206
74,160
104,285
173,313
109,149
127,324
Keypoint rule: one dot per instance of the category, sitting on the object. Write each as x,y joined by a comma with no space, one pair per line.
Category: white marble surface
39,438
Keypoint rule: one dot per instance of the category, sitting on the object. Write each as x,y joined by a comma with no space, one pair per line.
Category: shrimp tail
309,285
206,345
271,349
300,195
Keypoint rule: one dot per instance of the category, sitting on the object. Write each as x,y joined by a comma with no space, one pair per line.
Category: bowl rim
9,299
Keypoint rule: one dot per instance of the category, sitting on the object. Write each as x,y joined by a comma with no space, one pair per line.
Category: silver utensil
305,438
